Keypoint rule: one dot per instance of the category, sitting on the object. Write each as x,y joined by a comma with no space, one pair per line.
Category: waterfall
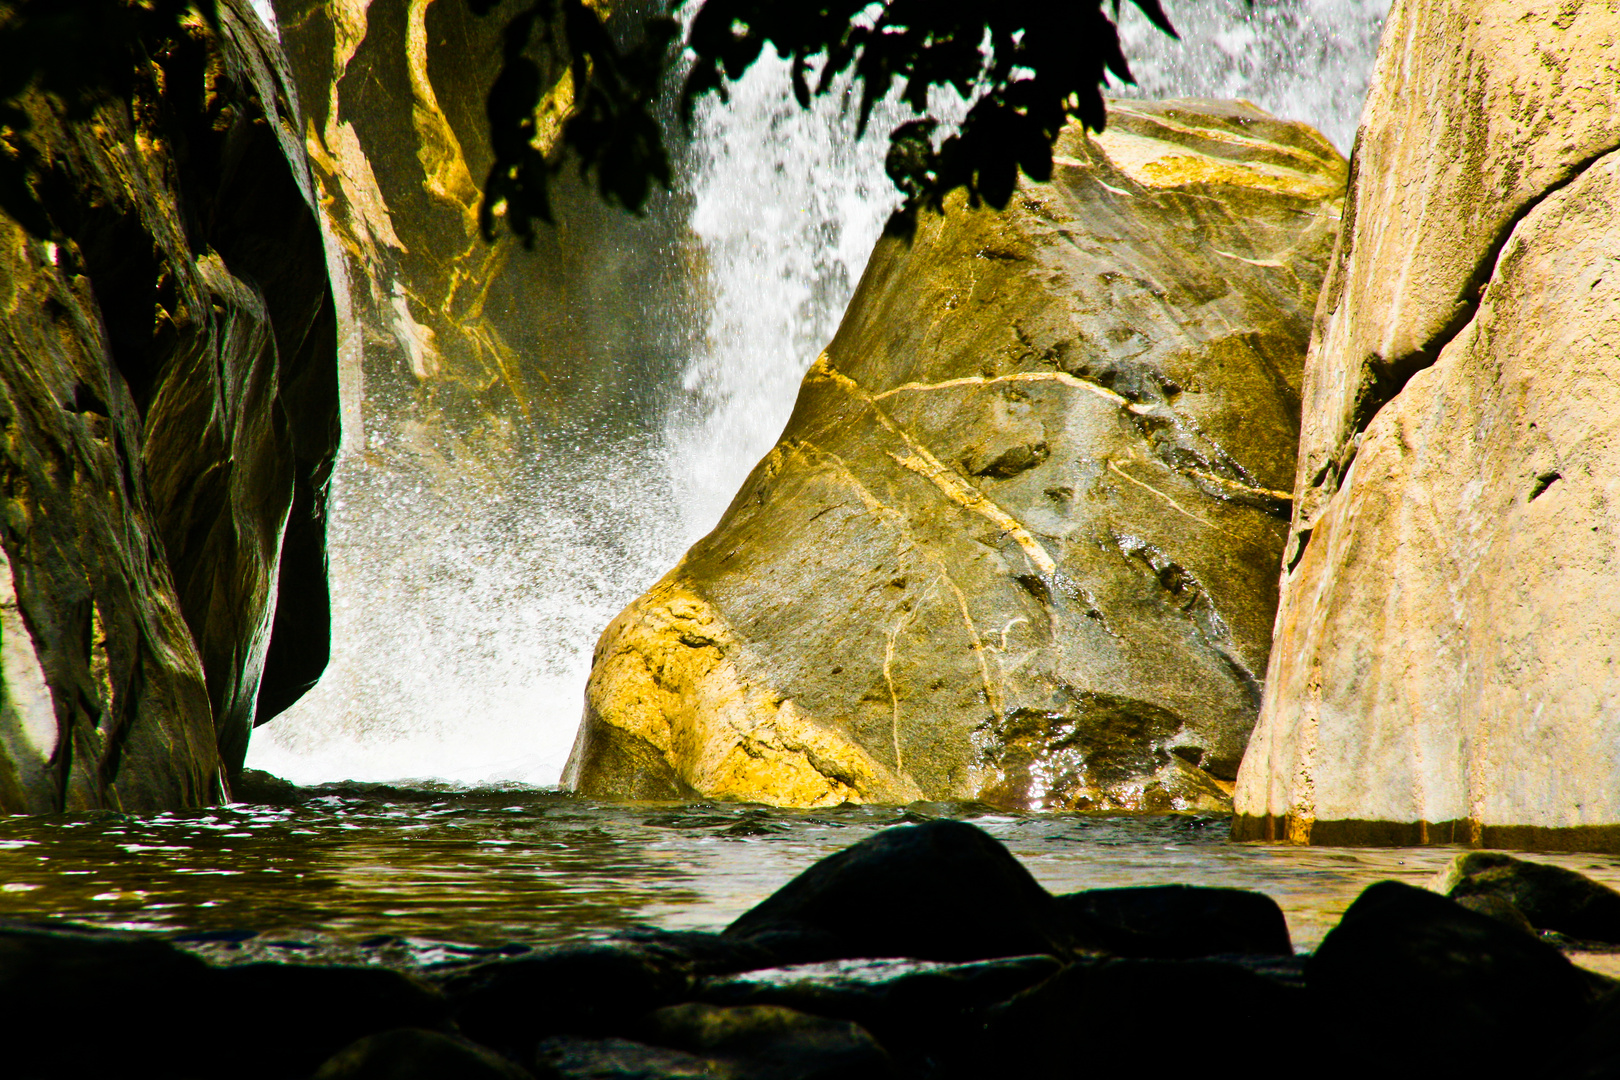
465,613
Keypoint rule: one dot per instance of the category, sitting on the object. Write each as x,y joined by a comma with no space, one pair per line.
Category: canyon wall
1018,541
169,409
1443,667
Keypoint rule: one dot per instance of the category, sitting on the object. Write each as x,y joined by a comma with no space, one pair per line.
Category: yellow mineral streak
444,166
670,672
1182,510
925,464
1061,377
1157,164
804,449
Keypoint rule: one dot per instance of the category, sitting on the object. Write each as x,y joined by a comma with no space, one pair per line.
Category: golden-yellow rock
1019,539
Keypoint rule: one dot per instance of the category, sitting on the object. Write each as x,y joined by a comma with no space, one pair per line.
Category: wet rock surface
1545,897
1410,983
1176,921
942,890
1442,669
416,1054
168,383
1018,541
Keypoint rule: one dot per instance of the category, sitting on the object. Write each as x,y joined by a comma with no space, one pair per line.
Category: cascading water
466,611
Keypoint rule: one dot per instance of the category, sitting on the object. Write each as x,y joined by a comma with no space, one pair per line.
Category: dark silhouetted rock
926,1014
620,1059
942,890
584,990
1411,984
770,1042
51,981
1175,922
1593,1054
283,1020
414,1054
1550,897
1114,1018
698,952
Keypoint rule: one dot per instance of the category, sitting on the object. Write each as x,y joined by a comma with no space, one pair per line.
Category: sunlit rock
168,393
1444,663
461,344
1019,539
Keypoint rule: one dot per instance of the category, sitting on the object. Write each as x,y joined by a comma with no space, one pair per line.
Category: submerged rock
168,386
1019,540
415,1054
1547,897
621,1059
928,1015
1176,922
770,1042
943,890
1443,668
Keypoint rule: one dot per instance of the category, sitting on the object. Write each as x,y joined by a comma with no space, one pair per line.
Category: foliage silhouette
1033,64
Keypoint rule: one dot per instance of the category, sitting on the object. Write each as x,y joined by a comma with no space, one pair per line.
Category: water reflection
421,876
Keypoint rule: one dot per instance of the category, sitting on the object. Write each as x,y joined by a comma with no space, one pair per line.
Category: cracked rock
1030,441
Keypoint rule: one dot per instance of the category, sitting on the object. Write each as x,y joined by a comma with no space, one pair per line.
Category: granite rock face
168,396
1018,540
462,344
1443,664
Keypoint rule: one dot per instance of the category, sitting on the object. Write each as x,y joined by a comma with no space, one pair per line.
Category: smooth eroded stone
770,1042
942,890
168,390
585,990
1175,922
1142,1017
1019,540
1443,667
927,1014
1549,897
415,1054
1411,984
620,1059
276,1020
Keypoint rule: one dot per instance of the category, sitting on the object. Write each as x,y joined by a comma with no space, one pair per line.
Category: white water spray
465,613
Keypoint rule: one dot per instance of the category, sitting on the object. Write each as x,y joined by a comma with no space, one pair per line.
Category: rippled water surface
405,876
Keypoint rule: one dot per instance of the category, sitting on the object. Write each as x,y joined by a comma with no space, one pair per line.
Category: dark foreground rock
1019,540
943,890
1409,984
1108,1017
415,1054
1176,922
927,1015
1547,897
168,389
1412,984
253,1022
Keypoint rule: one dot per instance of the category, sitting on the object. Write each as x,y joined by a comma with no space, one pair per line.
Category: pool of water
418,876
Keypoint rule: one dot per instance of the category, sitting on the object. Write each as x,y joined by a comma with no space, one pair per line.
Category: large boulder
1443,667
168,392
1018,541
